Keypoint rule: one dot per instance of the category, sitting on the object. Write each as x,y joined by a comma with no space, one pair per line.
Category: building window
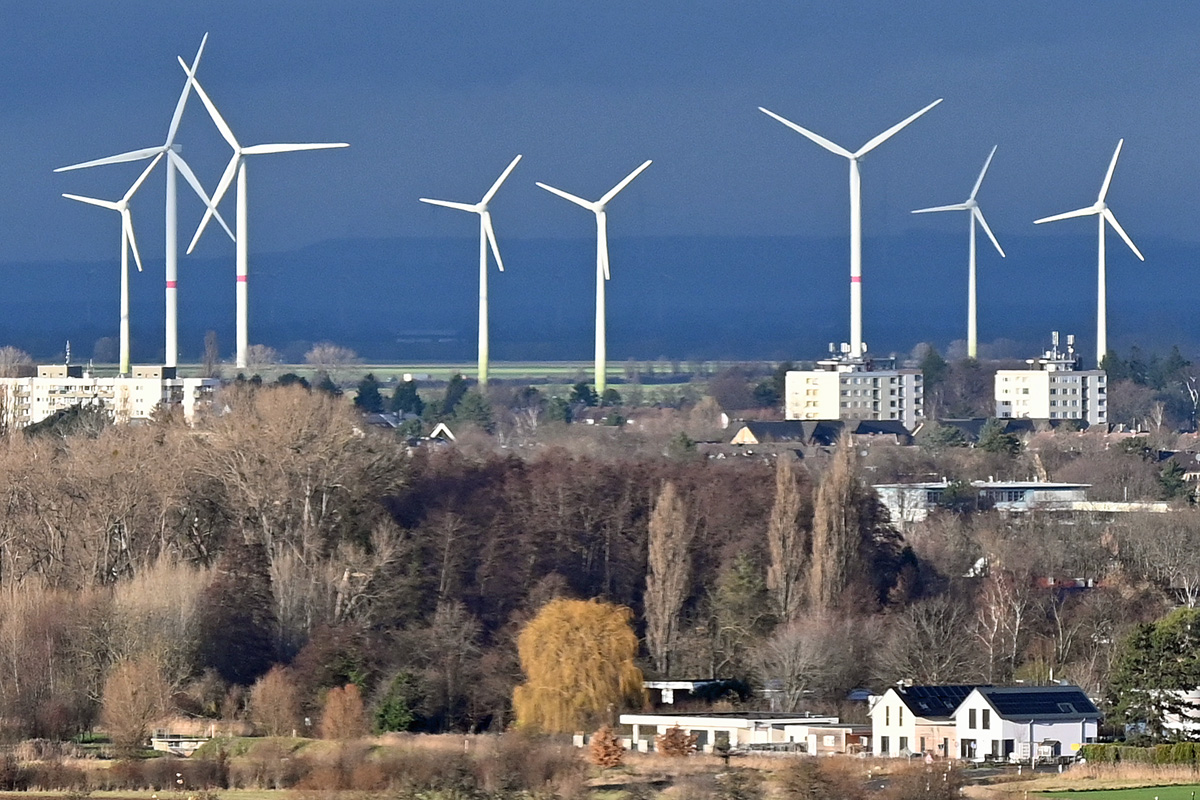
883,745
971,719
887,715
900,718
903,743
987,719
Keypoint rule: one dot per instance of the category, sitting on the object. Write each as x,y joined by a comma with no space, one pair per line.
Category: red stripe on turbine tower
241,278
171,284
856,278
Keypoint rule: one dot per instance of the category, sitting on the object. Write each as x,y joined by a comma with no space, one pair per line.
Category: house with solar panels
907,720
1025,723
983,723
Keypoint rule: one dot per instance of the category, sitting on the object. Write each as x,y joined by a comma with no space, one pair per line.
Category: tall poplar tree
837,537
668,575
789,541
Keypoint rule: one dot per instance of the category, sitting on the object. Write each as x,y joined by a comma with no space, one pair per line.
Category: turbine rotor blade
975,212
613,192
183,96
218,195
1079,212
955,207
837,149
503,176
892,131
120,158
579,201
194,182
448,204
602,242
92,201
217,119
142,178
1112,165
261,149
1112,220
491,237
127,226
982,172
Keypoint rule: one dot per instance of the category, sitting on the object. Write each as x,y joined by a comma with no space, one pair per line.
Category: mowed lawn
1185,792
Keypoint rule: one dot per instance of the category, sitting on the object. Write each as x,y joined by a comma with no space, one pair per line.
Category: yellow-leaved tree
577,656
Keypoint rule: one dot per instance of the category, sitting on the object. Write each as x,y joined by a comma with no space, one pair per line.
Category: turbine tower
237,168
175,163
487,235
1103,213
976,216
856,343
598,208
128,242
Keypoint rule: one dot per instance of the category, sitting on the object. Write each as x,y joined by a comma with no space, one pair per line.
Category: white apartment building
855,389
57,387
1054,387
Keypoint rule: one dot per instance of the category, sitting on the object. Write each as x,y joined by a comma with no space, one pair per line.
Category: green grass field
1185,792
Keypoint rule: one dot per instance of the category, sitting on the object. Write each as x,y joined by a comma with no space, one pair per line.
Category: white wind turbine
598,208
174,162
237,168
1103,213
976,216
487,235
856,344
128,242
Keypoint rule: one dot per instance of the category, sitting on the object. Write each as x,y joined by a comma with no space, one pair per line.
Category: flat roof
986,485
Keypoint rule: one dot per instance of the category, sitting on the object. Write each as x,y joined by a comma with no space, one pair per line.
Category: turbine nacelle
481,208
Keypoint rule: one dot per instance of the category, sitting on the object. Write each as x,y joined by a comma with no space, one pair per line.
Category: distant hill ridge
751,297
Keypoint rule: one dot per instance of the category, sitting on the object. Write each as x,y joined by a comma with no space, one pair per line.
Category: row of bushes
503,765
1179,753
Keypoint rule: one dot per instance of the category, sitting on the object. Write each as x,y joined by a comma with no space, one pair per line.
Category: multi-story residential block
1054,387
28,400
855,389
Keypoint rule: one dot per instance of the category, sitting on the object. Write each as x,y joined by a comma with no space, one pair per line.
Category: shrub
605,750
675,743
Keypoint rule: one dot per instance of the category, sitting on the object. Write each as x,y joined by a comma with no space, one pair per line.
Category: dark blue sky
436,97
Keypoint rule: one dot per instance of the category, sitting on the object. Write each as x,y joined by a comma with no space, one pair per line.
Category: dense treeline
252,566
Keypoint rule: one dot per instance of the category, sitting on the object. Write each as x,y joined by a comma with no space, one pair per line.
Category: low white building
127,398
745,729
855,389
1024,723
1054,387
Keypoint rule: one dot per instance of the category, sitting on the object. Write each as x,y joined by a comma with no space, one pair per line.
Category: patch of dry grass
1088,777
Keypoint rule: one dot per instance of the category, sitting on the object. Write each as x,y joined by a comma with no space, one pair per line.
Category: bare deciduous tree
804,656
135,695
836,535
275,703
928,644
260,356
13,362
668,575
789,541
342,716
330,358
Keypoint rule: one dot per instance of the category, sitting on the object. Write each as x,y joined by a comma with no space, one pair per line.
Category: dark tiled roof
893,427
1041,702
933,701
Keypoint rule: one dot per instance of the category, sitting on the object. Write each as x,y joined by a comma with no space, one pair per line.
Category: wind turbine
976,216
237,168
598,208
1103,213
128,242
487,235
174,162
856,343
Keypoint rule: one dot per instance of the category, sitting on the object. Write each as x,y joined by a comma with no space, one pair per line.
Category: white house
1024,723
916,719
